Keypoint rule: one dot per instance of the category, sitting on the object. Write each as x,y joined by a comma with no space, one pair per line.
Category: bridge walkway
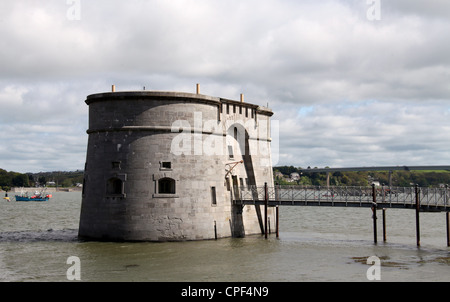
431,199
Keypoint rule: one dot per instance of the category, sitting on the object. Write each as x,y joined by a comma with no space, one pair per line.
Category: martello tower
165,166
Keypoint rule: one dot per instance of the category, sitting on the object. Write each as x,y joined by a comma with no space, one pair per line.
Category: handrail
392,196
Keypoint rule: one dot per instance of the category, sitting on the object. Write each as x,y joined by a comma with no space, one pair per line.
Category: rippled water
315,244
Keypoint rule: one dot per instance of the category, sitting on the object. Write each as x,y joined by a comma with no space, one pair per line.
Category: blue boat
32,198
38,196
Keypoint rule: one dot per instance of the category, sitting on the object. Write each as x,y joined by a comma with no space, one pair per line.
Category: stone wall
157,163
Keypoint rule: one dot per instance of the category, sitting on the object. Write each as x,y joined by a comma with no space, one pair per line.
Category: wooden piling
374,210
215,230
417,215
448,228
384,225
266,201
278,221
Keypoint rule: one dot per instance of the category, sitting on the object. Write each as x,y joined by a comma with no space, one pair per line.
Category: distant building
279,175
294,176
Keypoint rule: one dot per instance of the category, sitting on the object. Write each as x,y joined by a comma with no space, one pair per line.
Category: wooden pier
376,198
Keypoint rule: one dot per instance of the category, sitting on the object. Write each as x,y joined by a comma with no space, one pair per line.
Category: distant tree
305,181
31,181
20,180
337,174
42,180
67,182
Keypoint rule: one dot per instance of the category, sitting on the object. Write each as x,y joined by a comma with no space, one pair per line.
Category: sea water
315,244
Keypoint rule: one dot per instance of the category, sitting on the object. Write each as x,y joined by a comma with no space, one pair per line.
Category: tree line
9,179
364,178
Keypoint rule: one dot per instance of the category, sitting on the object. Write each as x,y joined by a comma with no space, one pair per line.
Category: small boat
38,196
32,198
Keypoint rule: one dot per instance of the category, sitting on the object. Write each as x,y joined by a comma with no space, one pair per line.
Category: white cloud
375,92
370,133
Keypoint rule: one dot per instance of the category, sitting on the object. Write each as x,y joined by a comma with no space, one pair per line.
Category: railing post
266,201
448,227
436,196
278,221
417,215
374,210
292,194
277,193
445,195
318,194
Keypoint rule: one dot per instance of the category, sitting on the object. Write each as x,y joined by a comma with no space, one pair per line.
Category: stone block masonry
161,166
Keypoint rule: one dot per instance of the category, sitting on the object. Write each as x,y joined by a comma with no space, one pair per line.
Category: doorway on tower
236,187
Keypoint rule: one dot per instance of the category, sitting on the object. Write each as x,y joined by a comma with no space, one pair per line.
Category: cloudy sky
351,82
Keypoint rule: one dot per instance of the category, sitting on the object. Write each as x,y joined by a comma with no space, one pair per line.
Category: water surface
315,244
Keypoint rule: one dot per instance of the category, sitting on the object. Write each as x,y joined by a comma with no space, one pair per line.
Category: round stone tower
166,166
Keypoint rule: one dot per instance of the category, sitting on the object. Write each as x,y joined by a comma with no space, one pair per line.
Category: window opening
235,187
114,186
166,165
84,186
230,151
213,196
166,186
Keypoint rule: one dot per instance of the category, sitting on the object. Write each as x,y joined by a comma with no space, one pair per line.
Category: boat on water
38,196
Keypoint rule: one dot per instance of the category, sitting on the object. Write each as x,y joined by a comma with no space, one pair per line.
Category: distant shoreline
48,189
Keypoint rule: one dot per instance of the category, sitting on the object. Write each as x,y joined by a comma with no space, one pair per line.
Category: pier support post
448,228
277,210
374,210
417,215
266,201
384,225
215,230
278,221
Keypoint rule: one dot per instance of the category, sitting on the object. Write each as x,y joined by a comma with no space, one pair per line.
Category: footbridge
376,198
430,199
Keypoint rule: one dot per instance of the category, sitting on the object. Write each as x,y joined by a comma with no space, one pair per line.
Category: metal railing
390,196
